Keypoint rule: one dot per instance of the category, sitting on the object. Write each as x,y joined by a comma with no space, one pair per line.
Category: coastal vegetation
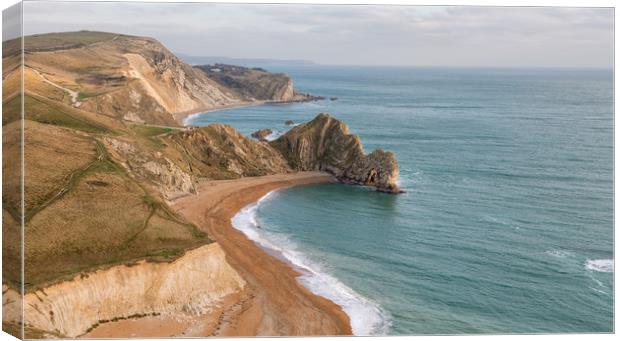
105,154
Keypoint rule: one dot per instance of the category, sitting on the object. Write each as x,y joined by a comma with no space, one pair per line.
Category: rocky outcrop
262,134
190,285
325,144
255,83
165,175
219,151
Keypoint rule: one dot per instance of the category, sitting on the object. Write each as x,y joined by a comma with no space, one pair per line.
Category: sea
506,225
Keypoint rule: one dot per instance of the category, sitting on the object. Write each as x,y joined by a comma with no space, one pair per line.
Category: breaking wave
367,317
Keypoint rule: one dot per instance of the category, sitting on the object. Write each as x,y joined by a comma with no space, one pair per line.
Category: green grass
152,134
42,112
85,95
166,254
150,131
87,69
64,40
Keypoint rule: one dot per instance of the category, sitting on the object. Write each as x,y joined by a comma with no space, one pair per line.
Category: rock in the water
289,122
333,98
325,144
262,134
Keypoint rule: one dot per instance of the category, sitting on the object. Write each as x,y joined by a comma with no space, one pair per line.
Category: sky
352,35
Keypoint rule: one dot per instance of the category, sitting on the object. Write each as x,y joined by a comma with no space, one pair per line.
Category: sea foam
559,253
188,120
367,317
600,265
274,135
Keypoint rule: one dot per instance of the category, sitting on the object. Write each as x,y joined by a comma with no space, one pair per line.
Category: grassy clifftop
103,152
255,83
133,78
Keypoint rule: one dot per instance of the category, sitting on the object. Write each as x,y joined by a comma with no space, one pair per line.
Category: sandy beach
181,117
274,303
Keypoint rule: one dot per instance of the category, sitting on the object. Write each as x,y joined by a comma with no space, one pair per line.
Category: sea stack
324,144
262,134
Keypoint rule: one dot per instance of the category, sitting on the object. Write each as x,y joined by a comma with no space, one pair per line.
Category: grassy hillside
84,209
125,77
103,151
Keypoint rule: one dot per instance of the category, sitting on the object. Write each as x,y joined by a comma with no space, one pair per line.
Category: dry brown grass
34,83
83,212
220,152
44,176
104,218
11,83
11,211
11,251
11,168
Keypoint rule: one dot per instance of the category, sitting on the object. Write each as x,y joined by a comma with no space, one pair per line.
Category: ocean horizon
506,225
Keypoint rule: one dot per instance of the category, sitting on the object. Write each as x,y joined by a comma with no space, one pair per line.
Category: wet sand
274,303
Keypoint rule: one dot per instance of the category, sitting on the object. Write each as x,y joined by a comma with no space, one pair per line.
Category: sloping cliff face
325,144
219,151
191,285
136,78
254,83
168,178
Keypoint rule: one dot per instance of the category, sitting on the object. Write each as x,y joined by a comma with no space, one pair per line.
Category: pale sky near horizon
355,35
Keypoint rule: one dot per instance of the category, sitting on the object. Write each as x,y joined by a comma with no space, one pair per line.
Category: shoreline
182,117
276,303
366,317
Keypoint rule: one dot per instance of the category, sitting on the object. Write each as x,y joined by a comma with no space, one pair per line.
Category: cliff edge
255,84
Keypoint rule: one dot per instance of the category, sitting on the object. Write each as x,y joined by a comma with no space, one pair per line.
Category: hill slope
132,78
104,153
254,84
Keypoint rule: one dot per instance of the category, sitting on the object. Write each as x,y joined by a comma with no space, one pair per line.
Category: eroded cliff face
158,84
190,285
255,83
135,78
219,151
325,144
168,178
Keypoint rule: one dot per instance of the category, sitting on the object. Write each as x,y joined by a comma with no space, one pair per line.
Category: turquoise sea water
507,223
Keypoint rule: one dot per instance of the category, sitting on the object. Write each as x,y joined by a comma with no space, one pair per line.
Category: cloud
352,34
11,25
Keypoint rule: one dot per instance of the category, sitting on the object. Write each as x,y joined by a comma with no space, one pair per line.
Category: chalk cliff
190,285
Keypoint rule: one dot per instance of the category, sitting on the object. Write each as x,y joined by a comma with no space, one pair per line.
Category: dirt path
74,94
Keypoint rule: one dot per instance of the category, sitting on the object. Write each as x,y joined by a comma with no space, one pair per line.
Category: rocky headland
102,223
324,144
253,84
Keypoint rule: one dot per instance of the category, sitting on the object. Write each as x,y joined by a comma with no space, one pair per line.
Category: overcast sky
367,35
